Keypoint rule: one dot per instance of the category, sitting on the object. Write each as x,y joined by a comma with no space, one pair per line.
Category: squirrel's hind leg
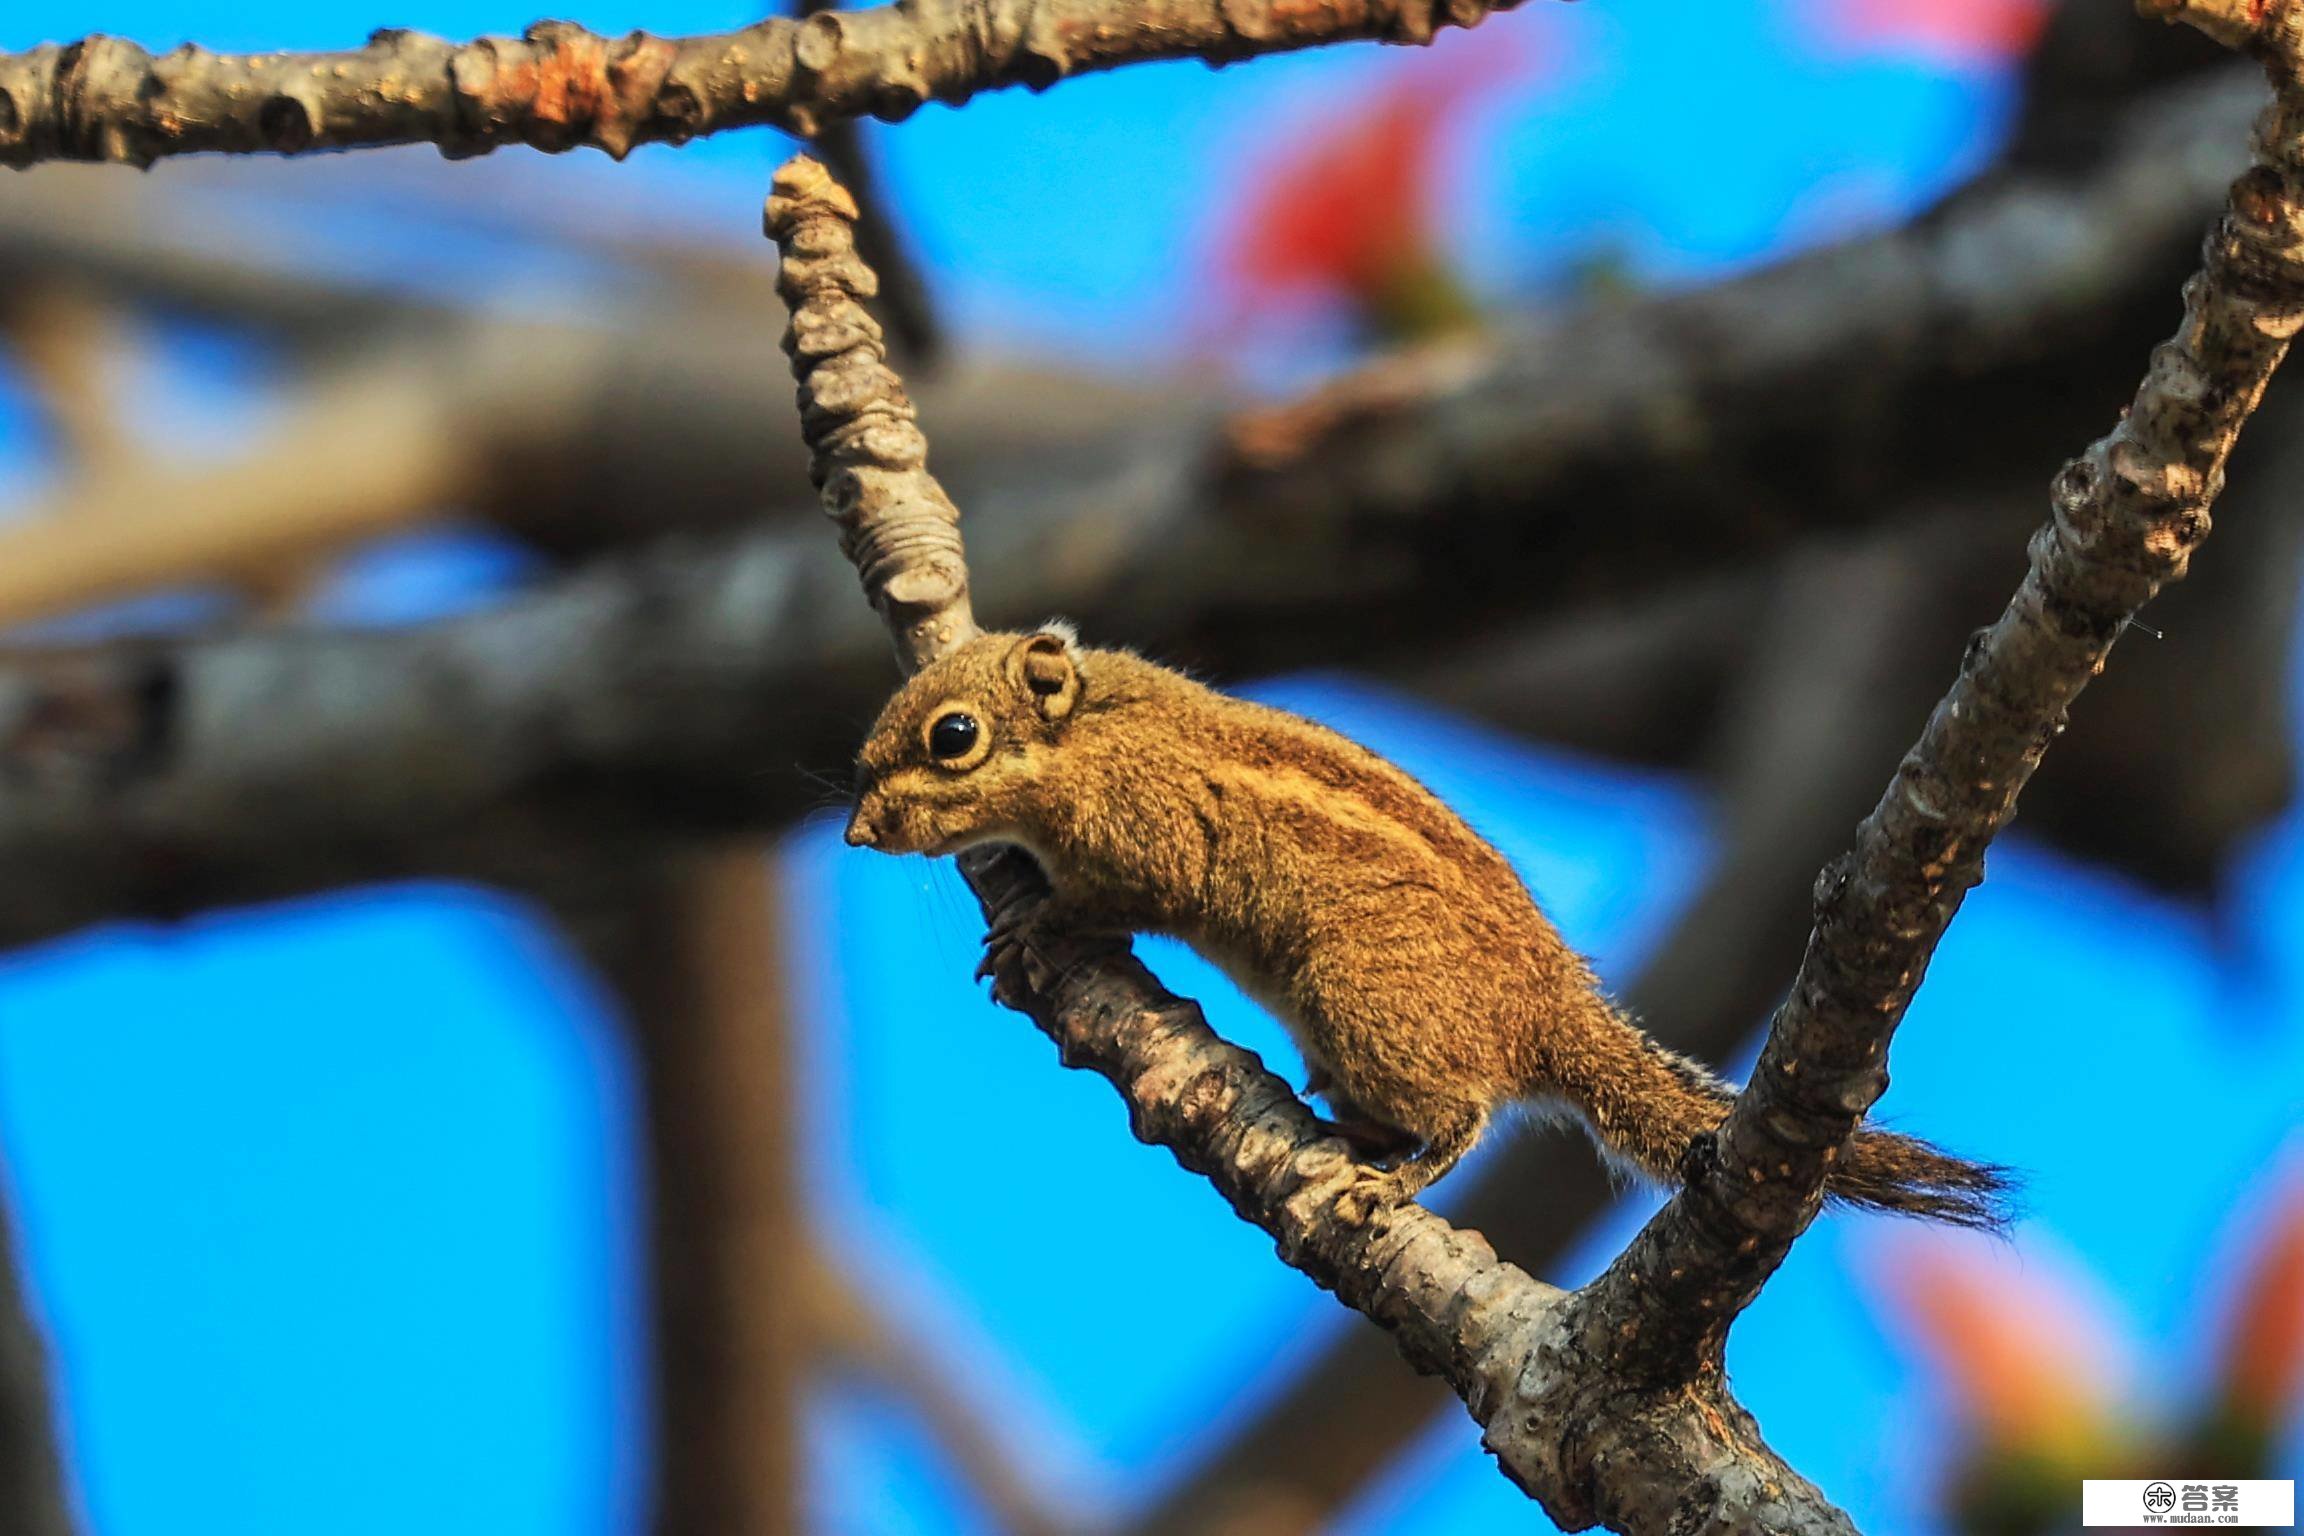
1450,1132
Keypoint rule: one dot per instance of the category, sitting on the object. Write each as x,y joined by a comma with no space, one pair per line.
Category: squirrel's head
963,752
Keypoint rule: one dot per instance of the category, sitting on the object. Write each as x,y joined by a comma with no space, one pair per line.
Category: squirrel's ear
1042,666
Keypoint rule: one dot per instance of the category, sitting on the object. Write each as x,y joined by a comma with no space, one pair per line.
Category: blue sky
330,1209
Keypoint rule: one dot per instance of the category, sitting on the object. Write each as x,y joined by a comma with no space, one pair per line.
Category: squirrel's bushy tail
1647,1105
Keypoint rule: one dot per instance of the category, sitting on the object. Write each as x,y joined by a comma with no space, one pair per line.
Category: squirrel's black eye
952,736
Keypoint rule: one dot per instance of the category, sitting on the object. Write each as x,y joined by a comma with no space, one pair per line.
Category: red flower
1350,216
1959,33
2014,1349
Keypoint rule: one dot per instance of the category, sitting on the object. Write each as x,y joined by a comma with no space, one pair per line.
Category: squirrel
1407,959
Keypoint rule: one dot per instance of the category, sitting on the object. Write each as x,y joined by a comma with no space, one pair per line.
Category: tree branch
69,338
1803,397
559,85
363,455
2127,515
904,297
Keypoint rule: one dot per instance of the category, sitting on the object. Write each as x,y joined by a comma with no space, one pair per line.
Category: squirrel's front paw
1005,950
1015,957
1000,944
1031,951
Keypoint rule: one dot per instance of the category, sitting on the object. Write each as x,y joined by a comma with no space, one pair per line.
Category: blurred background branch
35,1495
691,947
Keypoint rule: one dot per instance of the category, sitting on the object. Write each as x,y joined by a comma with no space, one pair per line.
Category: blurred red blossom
2017,1349
1348,218
2030,1376
2264,1349
1960,34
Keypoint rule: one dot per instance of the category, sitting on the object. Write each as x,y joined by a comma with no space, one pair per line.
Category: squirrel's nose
861,833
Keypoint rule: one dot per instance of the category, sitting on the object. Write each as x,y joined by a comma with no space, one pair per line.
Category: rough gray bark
70,721
559,85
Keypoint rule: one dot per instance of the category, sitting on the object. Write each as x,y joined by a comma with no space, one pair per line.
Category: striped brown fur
1411,965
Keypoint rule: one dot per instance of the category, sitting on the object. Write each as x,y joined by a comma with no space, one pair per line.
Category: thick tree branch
1558,1373
362,456
676,638
2127,515
559,85
1806,396
1691,1460
681,687
131,776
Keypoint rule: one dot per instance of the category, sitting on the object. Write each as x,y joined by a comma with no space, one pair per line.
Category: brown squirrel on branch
1403,953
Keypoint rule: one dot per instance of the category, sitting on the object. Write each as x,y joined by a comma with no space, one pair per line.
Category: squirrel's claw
1003,949
1369,1195
1009,962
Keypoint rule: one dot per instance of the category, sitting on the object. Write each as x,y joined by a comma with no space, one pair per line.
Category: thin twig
866,455
362,456
71,338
